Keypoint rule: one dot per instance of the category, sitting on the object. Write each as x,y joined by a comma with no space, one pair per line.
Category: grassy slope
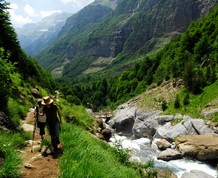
85,156
207,100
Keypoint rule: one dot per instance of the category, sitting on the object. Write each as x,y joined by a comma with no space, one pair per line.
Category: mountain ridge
34,37
133,27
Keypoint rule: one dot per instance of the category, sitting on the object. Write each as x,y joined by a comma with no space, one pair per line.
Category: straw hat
47,100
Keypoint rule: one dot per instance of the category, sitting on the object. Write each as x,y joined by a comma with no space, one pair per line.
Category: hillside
19,73
116,36
191,58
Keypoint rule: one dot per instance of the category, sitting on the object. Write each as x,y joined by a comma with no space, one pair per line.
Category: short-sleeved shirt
51,113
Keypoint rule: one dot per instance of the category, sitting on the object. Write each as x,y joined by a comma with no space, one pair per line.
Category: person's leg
41,129
57,132
51,129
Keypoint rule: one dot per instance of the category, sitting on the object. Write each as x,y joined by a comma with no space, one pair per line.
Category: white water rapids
143,150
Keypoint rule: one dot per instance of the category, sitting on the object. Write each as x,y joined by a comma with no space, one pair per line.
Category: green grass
78,113
17,110
85,156
197,102
9,145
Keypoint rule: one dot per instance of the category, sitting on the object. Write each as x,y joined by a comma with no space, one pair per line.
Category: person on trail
40,119
53,120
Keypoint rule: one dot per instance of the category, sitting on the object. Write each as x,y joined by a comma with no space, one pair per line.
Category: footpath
37,162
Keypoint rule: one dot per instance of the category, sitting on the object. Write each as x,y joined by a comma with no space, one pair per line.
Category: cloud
17,20
47,13
29,10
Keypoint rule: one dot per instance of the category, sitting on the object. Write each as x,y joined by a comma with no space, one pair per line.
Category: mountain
189,62
103,36
34,37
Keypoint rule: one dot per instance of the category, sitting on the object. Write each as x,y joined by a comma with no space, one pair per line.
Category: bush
176,102
164,105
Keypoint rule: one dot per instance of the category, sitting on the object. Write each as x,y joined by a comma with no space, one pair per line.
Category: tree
5,82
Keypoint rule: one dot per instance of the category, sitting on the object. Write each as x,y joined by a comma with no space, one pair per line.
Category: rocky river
187,146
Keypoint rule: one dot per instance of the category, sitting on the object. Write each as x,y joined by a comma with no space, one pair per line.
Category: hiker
40,119
53,120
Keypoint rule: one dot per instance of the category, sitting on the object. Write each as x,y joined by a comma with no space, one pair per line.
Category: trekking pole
34,130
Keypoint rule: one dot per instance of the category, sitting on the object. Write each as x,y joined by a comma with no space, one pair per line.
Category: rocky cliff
101,32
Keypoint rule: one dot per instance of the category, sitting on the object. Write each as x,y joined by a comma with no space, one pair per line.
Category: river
143,150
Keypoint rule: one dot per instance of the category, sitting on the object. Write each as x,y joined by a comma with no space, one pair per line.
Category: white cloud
17,20
29,10
47,13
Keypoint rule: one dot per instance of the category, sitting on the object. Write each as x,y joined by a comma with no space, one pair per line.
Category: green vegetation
192,56
10,143
185,58
85,156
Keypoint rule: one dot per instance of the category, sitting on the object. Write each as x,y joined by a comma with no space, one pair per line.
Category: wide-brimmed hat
47,100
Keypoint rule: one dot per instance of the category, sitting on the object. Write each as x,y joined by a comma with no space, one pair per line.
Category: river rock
197,126
163,144
145,123
200,147
163,119
196,174
188,126
123,120
169,154
170,132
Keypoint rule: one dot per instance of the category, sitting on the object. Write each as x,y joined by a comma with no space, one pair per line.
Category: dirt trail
34,163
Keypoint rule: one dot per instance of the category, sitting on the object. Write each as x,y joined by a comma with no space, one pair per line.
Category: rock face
130,27
6,122
200,147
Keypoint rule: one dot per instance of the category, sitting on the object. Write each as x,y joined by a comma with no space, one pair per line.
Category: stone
200,147
169,154
27,127
170,132
163,119
28,166
145,123
106,134
163,144
123,120
196,174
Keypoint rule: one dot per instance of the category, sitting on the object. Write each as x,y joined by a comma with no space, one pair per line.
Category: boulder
123,120
163,119
169,154
196,174
200,147
163,144
145,123
106,134
6,122
170,132
188,126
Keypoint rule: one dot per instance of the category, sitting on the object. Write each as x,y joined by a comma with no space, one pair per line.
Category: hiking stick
34,130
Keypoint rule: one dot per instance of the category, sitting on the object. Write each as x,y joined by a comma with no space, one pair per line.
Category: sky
32,11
